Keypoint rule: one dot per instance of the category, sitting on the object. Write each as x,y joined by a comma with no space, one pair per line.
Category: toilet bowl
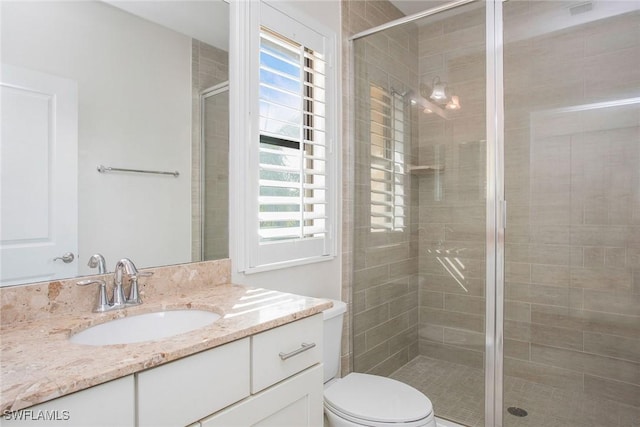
364,399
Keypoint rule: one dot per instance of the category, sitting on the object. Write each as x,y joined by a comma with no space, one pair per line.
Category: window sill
287,264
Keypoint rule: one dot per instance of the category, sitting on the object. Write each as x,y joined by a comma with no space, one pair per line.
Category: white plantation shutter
293,212
388,171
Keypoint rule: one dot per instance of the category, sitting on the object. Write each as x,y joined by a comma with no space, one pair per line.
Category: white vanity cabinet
273,378
286,380
105,405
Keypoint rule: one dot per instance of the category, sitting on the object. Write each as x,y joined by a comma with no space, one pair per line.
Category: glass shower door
420,208
572,181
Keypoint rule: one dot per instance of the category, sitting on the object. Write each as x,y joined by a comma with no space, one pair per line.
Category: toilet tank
333,338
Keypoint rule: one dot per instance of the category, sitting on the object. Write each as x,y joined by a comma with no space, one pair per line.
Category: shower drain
518,412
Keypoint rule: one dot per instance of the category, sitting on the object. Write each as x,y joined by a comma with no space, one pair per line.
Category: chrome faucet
97,260
118,300
126,265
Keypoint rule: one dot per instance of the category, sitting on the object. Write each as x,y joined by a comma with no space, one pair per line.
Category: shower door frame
495,203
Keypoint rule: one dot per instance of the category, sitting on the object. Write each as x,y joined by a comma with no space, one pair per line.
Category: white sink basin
145,327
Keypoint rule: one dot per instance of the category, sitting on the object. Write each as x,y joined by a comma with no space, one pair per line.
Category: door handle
66,258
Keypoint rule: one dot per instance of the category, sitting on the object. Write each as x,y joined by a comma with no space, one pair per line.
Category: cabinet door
295,402
109,404
182,392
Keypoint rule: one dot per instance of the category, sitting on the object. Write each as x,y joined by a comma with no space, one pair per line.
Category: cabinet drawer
281,352
188,389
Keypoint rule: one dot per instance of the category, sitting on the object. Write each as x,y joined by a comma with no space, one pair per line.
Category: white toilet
363,399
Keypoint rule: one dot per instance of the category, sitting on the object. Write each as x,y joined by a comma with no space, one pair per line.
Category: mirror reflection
134,85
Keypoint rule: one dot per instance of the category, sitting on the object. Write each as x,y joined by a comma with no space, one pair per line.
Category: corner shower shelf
425,169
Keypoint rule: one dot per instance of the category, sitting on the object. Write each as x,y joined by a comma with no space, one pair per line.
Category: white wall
134,84
322,279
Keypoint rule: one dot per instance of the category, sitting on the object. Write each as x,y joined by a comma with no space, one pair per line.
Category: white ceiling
204,20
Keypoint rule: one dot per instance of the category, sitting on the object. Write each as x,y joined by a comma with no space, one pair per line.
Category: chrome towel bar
105,169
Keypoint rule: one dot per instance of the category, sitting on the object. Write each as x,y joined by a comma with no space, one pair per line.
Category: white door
38,170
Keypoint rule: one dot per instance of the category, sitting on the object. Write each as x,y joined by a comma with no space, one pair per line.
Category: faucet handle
97,260
102,304
134,293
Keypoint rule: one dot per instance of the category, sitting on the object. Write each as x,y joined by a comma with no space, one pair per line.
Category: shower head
402,94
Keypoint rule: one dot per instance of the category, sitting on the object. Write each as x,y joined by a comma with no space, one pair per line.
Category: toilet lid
378,399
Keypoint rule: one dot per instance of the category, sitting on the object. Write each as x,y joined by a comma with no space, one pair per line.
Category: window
389,129
294,195
292,140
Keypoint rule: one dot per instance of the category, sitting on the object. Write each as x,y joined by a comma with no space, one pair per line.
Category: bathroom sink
144,327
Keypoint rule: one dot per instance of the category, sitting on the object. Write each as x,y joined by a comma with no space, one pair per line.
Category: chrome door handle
304,347
66,258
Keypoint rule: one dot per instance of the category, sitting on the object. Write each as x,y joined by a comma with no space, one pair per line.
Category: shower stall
496,206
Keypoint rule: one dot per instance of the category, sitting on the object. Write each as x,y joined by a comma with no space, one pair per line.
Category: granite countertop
39,363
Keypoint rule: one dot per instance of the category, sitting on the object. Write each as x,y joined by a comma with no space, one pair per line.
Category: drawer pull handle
305,347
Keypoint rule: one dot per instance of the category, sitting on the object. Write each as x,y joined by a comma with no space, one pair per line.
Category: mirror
134,85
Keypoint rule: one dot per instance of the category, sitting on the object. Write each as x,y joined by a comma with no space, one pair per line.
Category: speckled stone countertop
39,363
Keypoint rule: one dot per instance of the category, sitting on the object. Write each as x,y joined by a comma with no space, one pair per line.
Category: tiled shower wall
209,67
384,289
452,190
573,185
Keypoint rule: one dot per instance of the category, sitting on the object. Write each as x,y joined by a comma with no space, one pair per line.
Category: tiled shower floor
457,393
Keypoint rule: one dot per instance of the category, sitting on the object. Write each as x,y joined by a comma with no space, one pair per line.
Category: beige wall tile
550,275
407,303
431,332
602,366
459,355
370,277
432,299
590,321
612,303
364,361
391,364
517,330
613,346
384,331
461,338
615,390
615,257
613,279
538,254
537,294
519,311
556,337
517,272
384,293
516,349
452,319
384,255
370,318
464,304
451,284
543,374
